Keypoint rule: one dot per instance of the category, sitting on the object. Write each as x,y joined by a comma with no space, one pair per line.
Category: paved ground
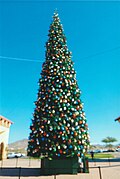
110,169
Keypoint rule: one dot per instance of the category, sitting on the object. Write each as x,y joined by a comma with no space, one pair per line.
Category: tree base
60,166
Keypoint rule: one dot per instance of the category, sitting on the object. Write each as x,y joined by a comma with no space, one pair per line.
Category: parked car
105,150
98,151
14,155
118,150
23,155
111,150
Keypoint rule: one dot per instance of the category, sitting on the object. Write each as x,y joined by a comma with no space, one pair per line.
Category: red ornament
51,115
80,122
44,134
74,116
60,151
62,115
54,136
79,142
75,133
66,128
78,107
60,132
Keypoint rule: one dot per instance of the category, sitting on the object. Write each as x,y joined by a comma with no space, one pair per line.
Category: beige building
4,136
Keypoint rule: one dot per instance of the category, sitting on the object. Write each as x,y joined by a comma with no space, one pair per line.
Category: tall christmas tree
59,127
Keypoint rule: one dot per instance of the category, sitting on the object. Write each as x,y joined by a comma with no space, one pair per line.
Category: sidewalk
31,170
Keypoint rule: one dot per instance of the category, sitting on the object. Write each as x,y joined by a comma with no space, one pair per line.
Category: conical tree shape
59,127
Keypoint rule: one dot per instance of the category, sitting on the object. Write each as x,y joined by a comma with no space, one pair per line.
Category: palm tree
108,140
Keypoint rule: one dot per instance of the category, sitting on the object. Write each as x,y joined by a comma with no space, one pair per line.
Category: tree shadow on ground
23,172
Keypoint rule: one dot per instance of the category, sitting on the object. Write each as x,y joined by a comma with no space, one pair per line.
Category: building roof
118,119
5,119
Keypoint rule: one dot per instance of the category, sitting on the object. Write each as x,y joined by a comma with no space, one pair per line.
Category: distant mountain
20,144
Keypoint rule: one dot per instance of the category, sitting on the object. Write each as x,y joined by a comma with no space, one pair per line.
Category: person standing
92,155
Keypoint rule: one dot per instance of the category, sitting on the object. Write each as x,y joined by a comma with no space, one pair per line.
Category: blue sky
92,30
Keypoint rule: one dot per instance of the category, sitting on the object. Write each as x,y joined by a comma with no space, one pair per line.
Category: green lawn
100,155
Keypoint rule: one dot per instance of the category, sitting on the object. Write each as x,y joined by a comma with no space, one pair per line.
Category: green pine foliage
59,127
